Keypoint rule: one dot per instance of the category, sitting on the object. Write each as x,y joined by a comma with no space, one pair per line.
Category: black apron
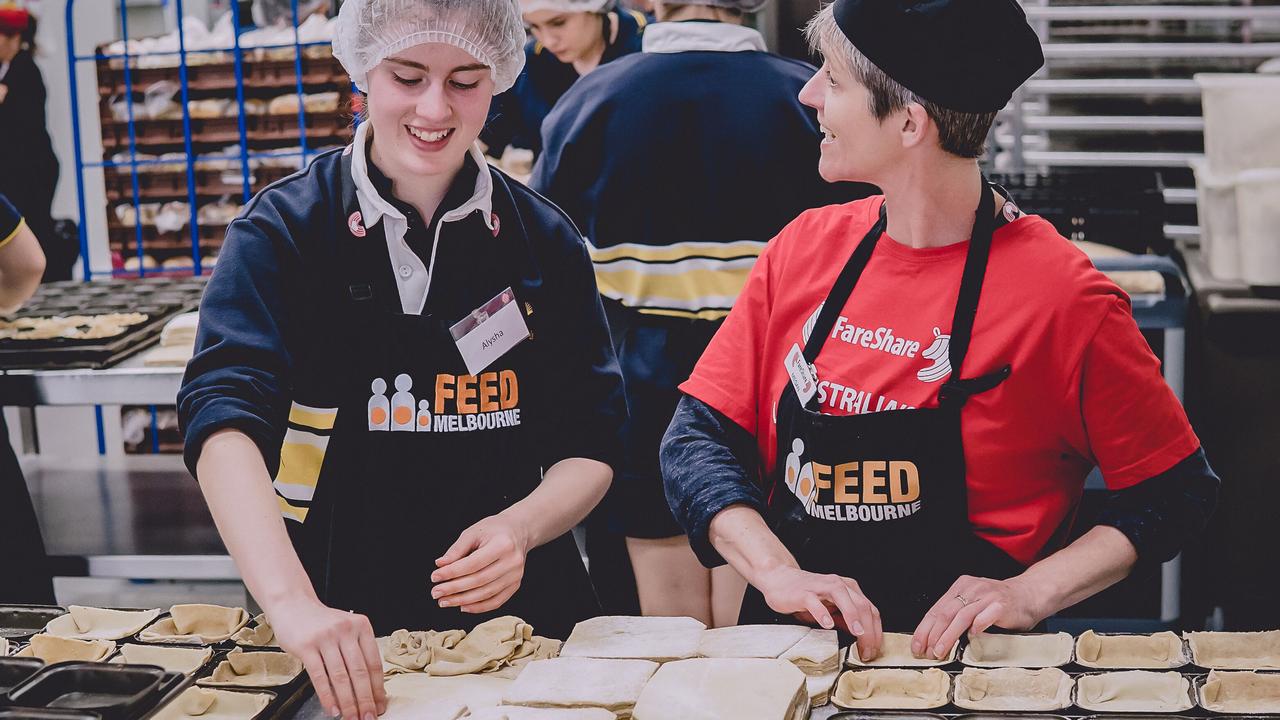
392,500
881,497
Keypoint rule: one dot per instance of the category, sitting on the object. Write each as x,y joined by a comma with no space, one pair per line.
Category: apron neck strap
975,268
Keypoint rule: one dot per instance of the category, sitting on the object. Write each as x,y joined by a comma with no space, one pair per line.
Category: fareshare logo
887,341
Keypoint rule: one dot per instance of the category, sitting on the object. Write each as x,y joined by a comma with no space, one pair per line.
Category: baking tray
1198,681
20,622
1181,667
116,692
14,671
46,714
286,697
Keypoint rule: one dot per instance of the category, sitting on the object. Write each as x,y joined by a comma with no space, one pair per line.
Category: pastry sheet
196,625
637,638
88,623
895,651
892,689
715,688
1236,650
1025,651
52,649
208,704
1013,689
254,670
1134,691
179,660
569,682
1159,651
1244,692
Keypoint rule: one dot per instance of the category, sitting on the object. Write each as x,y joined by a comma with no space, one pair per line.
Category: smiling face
427,105
570,36
856,146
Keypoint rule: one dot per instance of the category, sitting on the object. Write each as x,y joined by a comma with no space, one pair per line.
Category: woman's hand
810,597
974,604
339,652
483,569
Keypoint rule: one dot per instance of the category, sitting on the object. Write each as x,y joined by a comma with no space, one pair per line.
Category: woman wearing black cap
924,385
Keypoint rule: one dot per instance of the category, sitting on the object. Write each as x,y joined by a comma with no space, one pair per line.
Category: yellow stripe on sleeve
21,224
292,512
316,418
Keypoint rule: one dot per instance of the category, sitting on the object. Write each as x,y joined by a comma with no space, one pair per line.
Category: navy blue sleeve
572,156
10,220
1162,514
238,377
708,463
503,124
588,408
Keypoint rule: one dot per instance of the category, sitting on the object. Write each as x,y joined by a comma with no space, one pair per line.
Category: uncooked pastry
819,687
417,696
261,634
750,641
1159,651
1026,651
817,653
638,638
515,712
406,651
489,646
1134,691
87,623
1241,692
1236,650
895,651
892,689
614,685
196,624
53,649
214,705
713,688
1013,689
179,660
254,670
4,647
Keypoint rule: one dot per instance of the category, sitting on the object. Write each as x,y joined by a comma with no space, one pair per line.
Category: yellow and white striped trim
694,280
317,418
9,238
301,460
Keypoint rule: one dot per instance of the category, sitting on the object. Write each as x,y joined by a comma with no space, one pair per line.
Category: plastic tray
46,714
285,697
113,691
14,671
19,622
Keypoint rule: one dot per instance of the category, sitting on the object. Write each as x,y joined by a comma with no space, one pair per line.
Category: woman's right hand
340,654
812,598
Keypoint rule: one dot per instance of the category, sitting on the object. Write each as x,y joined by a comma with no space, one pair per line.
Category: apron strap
975,269
843,288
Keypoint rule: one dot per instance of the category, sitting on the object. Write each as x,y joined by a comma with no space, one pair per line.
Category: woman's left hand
483,568
974,604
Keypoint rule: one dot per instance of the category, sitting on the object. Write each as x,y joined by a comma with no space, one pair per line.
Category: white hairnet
591,6
741,5
280,12
370,31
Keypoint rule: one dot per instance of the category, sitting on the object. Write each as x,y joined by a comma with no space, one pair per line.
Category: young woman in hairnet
403,394
679,163
570,39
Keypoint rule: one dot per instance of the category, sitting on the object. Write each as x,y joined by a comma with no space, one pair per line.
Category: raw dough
892,689
214,705
614,685
819,687
895,651
179,660
1236,650
1134,691
641,638
196,624
513,712
53,649
817,653
4,647
255,670
1016,689
1028,651
1241,692
86,623
750,641
489,646
417,696
1160,651
714,688
260,635
406,651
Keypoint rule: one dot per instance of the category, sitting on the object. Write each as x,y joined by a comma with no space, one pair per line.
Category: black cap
965,55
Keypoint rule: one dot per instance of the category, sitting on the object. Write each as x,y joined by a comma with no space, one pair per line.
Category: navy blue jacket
261,327
516,116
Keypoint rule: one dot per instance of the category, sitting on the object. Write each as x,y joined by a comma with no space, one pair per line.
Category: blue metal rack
133,163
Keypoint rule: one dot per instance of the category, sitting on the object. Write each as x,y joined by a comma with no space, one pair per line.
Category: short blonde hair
959,133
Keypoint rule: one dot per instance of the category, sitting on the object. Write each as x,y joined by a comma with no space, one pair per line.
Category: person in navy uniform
403,394
678,163
571,38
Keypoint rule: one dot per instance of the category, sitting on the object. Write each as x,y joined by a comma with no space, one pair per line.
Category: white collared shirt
413,277
676,37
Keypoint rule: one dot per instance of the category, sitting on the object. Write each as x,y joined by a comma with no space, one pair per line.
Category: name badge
490,331
803,377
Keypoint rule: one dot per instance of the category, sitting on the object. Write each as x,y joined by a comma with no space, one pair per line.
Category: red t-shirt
1085,389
